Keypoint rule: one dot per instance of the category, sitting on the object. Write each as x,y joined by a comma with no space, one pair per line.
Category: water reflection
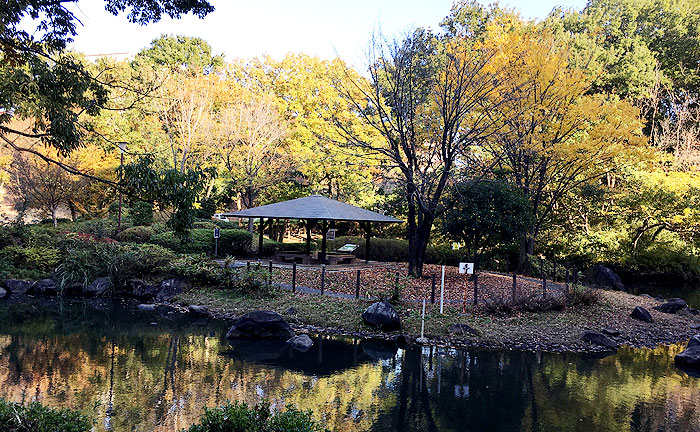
131,375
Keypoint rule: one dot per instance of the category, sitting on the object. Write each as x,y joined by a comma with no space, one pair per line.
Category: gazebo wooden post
324,233
260,238
307,226
368,234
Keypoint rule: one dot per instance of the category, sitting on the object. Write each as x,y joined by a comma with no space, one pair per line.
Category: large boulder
3,292
599,339
146,307
260,325
45,287
671,306
604,277
16,286
641,314
98,287
141,290
690,356
300,342
171,287
383,316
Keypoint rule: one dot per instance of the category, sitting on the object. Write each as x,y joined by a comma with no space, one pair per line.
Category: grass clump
35,417
239,417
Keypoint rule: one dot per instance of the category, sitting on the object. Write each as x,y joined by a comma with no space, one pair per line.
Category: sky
245,29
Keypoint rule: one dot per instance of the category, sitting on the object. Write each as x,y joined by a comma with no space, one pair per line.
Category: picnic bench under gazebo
314,210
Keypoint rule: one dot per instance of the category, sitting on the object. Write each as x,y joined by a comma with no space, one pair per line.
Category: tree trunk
53,217
418,237
527,247
283,231
412,235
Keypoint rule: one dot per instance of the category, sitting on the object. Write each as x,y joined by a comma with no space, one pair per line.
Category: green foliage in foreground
35,417
239,417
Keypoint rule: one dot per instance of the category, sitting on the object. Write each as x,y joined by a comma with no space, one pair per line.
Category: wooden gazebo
313,210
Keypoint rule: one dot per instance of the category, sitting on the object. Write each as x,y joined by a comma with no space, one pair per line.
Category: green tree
171,188
486,213
43,84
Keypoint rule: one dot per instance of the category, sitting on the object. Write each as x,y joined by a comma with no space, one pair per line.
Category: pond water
688,291
131,375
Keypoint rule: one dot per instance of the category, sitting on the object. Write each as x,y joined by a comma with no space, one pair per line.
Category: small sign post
217,234
466,269
442,289
331,234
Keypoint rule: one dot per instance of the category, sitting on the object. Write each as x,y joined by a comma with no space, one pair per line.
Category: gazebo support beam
260,238
324,233
368,235
308,225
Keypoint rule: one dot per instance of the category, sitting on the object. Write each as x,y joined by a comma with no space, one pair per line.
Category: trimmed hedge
234,242
35,417
137,234
396,250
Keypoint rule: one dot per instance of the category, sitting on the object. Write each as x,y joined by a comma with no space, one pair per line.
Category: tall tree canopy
42,83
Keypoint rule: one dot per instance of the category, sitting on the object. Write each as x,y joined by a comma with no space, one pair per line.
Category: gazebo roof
314,207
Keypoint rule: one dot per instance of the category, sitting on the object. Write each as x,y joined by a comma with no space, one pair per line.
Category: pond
134,371
688,291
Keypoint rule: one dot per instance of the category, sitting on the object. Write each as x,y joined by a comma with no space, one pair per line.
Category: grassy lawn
553,330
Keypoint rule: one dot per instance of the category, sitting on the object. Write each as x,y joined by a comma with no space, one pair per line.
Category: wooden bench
292,256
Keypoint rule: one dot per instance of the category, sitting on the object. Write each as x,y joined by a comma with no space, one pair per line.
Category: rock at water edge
260,325
382,316
300,342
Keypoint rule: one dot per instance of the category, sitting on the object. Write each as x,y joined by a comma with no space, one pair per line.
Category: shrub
225,225
207,207
232,241
43,258
141,260
444,255
204,225
137,234
87,260
97,227
141,213
582,295
35,417
196,268
251,282
13,234
272,246
113,210
554,301
240,417
381,249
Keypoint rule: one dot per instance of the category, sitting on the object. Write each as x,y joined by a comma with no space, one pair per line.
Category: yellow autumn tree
552,134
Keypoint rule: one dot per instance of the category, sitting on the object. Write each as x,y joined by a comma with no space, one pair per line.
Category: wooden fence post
323,278
294,277
544,280
432,291
357,286
269,274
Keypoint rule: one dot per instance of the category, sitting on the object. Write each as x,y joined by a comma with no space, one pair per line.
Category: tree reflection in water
131,375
